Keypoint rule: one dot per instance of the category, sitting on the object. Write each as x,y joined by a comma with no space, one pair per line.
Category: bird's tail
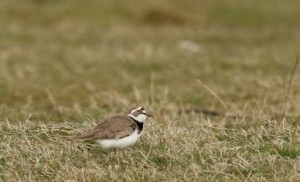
83,136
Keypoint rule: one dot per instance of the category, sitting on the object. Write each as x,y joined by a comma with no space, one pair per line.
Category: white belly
120,143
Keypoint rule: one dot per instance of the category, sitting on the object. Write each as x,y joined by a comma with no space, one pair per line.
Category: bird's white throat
140,118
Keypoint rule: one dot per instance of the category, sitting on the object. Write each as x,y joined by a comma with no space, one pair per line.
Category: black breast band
139,125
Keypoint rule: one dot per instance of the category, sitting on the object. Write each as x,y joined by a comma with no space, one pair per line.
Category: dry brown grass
166,152
65,66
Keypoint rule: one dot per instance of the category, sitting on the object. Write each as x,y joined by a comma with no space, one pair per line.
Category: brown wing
115,127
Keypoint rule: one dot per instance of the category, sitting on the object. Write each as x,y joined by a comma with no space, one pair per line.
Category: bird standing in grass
118,132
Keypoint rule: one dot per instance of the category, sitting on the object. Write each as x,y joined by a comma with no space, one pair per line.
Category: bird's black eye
142,109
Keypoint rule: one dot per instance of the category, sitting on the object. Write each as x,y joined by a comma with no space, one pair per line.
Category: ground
67,65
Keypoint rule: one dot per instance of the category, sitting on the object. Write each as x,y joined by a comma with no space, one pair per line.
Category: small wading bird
118,131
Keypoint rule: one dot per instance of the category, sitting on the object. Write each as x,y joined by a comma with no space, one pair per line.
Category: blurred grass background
68,60
67,65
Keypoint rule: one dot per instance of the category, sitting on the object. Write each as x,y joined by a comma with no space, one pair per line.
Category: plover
119,131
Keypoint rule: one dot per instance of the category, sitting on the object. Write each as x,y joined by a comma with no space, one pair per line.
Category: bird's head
139,114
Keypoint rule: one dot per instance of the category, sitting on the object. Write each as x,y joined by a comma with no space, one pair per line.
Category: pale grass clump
36,151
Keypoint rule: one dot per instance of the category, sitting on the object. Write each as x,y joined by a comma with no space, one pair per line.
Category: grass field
67,65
